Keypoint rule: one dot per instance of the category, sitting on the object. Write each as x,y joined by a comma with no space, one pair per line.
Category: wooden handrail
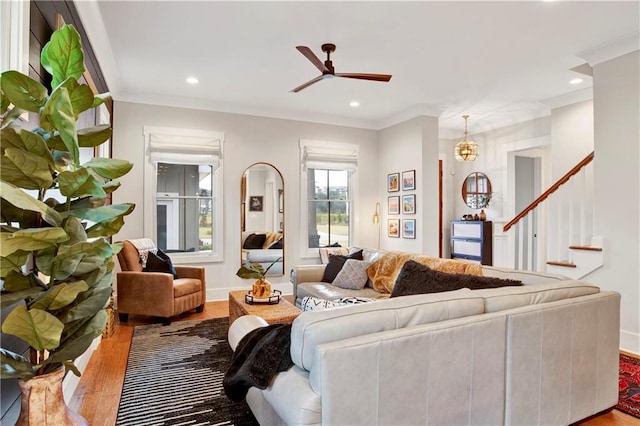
553,188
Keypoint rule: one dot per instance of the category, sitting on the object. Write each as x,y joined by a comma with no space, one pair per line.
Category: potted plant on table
56,261
262,287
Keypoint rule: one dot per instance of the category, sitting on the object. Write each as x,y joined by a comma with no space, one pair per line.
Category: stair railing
571,202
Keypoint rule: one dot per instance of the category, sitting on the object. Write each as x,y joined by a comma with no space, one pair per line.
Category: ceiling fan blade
359,76
313,58
307,84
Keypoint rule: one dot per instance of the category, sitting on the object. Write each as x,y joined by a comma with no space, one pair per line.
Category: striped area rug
174,377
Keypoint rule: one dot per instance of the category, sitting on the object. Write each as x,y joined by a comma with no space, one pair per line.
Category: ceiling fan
328,71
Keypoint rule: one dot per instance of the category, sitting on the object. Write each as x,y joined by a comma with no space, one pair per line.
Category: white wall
617,183
571,136
411,145
248,139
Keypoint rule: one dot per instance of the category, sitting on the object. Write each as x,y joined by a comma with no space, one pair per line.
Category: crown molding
412,112
614,49
581,95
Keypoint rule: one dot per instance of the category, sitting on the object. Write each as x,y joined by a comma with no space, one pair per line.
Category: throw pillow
160,262
276,245
315,304
353,275
325,252
415,278
254,241
335,265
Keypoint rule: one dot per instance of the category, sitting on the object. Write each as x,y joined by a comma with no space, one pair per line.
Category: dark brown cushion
336,261
254,241
416,278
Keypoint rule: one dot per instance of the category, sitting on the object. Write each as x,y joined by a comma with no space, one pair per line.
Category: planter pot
43,402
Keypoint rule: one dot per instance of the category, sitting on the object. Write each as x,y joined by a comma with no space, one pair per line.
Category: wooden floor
98,394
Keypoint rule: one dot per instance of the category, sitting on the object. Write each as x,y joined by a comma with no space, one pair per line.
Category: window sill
184,258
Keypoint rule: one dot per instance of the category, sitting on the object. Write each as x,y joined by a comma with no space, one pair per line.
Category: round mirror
476,190
262,217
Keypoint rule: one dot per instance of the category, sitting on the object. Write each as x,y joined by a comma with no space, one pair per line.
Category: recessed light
576,81
354,104
192,80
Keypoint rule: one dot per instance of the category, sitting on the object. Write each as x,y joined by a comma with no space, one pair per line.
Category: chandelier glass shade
466,149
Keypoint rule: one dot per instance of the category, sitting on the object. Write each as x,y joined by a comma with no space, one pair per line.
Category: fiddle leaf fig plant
56,262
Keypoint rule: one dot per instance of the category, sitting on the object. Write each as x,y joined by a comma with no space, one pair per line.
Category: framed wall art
393,228
393,182
393,205
408,180
409,228
255,203
409,204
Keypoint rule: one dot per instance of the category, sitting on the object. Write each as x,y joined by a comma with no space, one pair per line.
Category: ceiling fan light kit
466,149
327,70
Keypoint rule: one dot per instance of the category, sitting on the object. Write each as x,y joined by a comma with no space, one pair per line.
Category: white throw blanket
144,246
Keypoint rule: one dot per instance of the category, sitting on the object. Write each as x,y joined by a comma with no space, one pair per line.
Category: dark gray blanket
260,354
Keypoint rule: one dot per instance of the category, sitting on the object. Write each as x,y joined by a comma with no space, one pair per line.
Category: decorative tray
273,299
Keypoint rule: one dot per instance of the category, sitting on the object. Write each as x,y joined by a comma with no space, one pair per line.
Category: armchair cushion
160,262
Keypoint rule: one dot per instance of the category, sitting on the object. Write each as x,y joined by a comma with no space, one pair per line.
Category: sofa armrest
304,274
145,293
196,272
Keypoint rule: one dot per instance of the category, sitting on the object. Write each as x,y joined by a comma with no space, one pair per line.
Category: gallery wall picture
408,180
393,228
393,205
393,182
409,204
255,203
409,228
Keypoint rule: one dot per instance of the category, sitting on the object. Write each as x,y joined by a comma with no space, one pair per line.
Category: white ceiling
500,62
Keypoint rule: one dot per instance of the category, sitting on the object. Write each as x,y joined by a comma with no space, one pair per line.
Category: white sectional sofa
545,353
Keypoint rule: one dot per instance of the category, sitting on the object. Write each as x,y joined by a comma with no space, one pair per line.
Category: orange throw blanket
384,271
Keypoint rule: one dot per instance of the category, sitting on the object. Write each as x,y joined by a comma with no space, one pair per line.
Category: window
327,181
328,207
183,189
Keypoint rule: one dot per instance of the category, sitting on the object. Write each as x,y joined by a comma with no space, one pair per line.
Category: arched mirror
476,190
262,217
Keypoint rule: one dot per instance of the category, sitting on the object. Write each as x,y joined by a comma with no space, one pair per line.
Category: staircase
555,232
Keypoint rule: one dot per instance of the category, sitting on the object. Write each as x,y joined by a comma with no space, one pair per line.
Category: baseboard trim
630,342
214,294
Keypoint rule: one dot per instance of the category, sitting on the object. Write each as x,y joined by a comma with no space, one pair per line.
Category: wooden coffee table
280,313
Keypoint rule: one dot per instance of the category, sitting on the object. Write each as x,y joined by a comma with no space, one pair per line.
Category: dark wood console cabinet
472,240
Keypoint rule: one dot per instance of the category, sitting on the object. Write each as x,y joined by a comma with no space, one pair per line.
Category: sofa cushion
330,292
335,265
160,262
254,241
316,327
416,278
384,272
500,299
353,275
186,286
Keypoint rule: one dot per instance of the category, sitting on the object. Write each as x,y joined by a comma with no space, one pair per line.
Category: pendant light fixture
466,149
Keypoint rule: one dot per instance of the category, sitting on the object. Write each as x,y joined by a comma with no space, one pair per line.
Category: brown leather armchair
157,294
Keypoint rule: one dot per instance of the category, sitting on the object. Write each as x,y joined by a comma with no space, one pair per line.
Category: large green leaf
80,183
12,214
89,264
15,281
31,239
75,229
59,296
250,270
106,228
36,144
22,200
12,263
94,136
99,247
81,99
111,186
100,98
109,168
11,117
9,138
103,213
86,203
15,366
38,328
77,343
25,169
97,300
62,56
4,101
23,91
9,299
58,114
